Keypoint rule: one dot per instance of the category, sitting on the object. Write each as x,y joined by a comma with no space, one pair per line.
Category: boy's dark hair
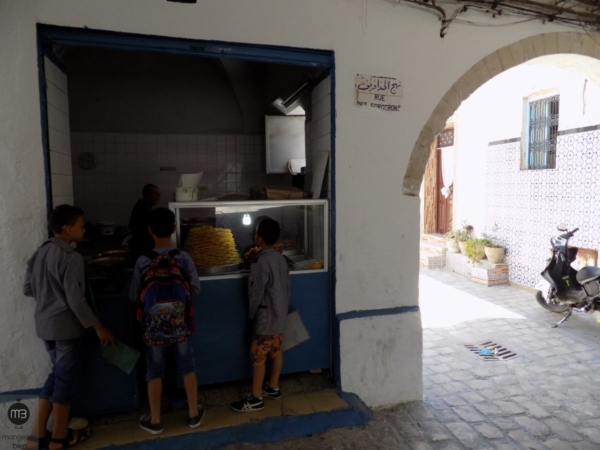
162,222
269,230
63,216
148,189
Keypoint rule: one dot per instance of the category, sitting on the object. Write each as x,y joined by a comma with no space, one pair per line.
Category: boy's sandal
83,436
40,443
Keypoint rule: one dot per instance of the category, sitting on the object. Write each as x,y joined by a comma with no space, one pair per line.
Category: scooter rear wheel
549,304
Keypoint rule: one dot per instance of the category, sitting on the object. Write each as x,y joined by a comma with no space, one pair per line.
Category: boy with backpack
164,285
269,299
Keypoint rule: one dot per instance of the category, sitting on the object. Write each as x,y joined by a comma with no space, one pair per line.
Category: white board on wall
285,139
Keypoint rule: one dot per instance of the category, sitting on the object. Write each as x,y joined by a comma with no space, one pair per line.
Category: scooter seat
587,274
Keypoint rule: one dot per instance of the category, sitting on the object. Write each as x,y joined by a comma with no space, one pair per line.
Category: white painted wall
377,228
495,112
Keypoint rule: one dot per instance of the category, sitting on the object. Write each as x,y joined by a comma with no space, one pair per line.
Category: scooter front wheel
552,304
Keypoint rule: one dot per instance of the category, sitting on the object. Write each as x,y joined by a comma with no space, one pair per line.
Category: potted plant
475,249
494,251
463,235
452,241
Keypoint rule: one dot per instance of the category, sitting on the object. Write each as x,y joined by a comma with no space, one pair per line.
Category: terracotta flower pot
495,254
452,245
462,247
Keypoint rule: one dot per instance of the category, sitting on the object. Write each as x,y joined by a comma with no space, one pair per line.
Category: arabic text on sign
382,93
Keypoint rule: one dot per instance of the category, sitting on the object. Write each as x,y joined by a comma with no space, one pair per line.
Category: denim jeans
157,355
66,357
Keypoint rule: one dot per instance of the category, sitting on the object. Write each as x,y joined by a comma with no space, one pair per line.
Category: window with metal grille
542,133
446,138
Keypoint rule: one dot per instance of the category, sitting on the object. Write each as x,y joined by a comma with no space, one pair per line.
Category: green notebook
121,356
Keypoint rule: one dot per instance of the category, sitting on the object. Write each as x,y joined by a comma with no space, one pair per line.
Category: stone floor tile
562,430
588,409
444,445
446,415
525,440
511,390
460,365
492,394
533,408
436,402
419,411
480,384
419,445
469,414
440,378
532,426
585,446
456,387
482,373
465,434
488,409
557,444
404,426
567,417
471,397
506,446
503,380
509,407
441,368
489,431
455,400
460,375
445,351
506,423
547,402
435,431
436,390
592,433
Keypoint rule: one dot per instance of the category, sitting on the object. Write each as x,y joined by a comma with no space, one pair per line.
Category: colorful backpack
165,305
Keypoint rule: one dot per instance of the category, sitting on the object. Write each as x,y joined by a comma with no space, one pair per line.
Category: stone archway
549,46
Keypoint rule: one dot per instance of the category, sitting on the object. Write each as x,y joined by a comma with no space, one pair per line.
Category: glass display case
220,235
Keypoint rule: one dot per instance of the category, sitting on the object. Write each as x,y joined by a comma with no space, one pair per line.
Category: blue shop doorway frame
48,35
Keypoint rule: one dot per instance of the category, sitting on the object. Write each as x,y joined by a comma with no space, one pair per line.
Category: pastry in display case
219,236
212,248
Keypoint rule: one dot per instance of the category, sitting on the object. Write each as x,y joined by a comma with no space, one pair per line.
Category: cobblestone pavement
547,398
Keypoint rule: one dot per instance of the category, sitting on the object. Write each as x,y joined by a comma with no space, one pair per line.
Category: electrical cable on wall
584,14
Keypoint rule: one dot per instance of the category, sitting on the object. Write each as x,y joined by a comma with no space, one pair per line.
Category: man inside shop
141,242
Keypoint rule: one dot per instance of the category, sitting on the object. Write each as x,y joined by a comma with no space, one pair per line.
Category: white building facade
377,228
499,194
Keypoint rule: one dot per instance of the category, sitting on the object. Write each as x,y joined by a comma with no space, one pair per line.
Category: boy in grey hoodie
55,278
269,299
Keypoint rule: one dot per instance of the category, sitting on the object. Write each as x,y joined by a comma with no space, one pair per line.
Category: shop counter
223,330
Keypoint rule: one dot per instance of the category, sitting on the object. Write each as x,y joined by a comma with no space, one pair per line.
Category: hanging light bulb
247,220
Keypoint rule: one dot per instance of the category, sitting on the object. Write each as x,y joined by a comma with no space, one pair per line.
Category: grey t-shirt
55,277
269,292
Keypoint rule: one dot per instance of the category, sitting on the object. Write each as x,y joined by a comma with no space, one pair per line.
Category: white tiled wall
318,143
126,162
58,134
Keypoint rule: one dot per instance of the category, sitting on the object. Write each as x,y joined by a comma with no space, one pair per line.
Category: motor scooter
563,288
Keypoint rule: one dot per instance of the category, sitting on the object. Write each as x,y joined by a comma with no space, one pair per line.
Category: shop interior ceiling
257,86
